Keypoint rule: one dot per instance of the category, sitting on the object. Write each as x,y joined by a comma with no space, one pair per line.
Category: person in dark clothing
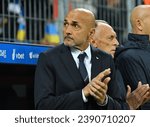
133,58
105,39
59,83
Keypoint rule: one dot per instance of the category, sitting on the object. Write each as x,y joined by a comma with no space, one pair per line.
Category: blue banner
15,53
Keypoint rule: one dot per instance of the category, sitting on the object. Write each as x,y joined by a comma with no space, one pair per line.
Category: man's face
105,39
76,30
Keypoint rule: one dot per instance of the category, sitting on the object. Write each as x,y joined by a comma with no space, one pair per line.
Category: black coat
58,83
133,61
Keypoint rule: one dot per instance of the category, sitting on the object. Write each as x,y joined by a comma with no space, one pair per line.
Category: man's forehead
105,27
106,31
74,19
79,16
75,14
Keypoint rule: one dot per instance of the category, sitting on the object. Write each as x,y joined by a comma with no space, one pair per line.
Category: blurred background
41,21
27,25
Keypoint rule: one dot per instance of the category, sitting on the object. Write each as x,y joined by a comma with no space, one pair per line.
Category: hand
98,89
147,96
136,98
98,86
94,87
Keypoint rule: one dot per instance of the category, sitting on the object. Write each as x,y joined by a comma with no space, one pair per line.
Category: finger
95,80
93,88
140,87
139,84
99,83
93,91
146,98
147,95
100,88
97,96
106,80
128,91
142,90
107,71
101,75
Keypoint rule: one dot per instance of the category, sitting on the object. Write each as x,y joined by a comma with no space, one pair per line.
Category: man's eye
65,24
76,26
111,38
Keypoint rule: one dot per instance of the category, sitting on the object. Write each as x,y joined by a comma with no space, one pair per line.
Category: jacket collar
97,61
71,67
135,41
138,38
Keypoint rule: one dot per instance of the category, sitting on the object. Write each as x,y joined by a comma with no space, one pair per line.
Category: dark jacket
58,83
122,88
133,61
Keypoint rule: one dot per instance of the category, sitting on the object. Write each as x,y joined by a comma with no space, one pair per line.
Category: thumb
139,84
128,91
103,74
106,80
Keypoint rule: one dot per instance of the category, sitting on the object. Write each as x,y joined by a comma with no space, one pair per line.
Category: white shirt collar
75,52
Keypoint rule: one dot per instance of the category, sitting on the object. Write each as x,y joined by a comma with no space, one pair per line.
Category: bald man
133,59
73,75
105,39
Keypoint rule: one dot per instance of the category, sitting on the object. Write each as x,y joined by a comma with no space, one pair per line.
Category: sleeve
115,98
45,89
122,88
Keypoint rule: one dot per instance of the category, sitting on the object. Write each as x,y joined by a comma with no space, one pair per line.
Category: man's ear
139,24
92,32
93,42
91,35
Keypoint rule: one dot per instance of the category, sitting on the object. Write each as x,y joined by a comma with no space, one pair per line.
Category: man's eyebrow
74,22
65,20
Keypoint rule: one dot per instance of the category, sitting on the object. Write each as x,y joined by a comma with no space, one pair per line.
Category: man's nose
116,43
68,29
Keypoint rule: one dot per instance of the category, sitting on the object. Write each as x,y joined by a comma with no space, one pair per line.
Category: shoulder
56,51
128,58
102,58
52,53
100,53
127,52
130,54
